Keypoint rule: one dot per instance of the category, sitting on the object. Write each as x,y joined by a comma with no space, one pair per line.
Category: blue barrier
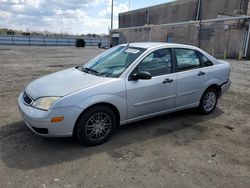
49,41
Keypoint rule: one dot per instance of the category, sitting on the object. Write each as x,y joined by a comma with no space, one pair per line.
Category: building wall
216,38
166,13
223,37
180,11
211,8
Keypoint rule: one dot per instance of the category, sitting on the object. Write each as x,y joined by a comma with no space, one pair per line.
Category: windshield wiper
89,70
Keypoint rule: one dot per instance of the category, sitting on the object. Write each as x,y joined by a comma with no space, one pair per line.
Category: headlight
45,103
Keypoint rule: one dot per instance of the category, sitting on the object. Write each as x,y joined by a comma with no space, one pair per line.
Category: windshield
113,62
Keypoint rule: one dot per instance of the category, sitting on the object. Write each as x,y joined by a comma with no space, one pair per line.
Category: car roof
148,45
152,45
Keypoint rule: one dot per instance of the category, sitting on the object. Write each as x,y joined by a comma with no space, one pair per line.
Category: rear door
149,97
191,75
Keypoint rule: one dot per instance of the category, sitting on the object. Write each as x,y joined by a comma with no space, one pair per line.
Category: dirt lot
176,150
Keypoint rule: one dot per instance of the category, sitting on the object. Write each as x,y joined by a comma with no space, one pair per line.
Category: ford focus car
127,83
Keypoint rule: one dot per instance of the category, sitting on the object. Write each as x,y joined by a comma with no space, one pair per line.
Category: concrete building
221,27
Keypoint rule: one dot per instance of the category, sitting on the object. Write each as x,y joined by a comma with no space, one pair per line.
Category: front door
156,95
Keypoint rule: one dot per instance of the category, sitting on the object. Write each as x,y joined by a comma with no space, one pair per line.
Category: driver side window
157,63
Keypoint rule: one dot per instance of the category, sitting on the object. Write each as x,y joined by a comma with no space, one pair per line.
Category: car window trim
203,64
199,56
172,63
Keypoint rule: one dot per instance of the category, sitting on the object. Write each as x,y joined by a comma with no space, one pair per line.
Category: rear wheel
208,101
96,125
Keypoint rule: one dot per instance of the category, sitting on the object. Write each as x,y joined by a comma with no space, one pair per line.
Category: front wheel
208,101
96,125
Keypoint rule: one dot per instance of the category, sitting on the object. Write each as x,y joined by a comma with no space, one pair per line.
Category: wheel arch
109,105
217,87
211,83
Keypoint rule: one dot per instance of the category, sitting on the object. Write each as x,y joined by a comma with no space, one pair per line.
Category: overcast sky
68,16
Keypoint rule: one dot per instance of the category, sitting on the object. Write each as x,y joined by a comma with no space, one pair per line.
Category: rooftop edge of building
170,3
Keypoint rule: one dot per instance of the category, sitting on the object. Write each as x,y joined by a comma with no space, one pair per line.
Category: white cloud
71,16
117,8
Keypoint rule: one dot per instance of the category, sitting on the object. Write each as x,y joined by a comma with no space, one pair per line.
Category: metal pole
200,19
247,43
240,4
128,4
198,10
112,5
150,34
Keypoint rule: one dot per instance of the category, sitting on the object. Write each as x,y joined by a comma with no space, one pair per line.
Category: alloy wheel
98,126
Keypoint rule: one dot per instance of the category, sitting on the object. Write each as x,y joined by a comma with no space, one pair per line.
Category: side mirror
142,75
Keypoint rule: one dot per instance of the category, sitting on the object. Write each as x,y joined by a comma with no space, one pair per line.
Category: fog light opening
57,119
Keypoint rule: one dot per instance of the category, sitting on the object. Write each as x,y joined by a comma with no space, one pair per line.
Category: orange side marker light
57,119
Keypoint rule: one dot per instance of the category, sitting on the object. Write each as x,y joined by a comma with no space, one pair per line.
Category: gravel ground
181,149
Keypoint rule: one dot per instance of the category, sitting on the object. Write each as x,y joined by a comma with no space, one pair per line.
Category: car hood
63,83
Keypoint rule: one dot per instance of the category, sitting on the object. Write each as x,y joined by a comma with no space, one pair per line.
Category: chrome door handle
201,73
167,80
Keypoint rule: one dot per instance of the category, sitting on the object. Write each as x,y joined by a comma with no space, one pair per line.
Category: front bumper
39,121
225,87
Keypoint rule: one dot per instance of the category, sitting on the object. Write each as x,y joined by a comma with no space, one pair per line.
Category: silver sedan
125,84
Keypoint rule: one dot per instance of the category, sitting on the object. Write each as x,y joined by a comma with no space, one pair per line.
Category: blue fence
49,41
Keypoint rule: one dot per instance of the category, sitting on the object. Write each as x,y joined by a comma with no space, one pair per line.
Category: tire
208,101
96,125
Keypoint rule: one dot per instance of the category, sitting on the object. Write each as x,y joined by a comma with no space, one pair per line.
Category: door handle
167,80
201,73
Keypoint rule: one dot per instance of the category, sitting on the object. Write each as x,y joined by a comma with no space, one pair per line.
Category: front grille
26,98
